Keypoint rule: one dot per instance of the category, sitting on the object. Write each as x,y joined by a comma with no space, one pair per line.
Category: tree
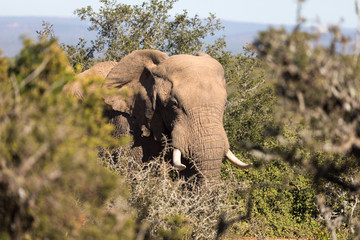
123,28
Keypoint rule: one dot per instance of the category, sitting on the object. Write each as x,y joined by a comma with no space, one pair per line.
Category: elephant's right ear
133,73
132,67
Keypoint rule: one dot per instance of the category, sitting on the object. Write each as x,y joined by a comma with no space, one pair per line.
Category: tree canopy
123,28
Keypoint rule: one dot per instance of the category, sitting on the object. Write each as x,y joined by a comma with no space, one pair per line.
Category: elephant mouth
229,155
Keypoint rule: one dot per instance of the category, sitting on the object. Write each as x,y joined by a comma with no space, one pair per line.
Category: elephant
182,97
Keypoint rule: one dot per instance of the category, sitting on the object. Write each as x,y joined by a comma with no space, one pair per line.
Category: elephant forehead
193,92
188,66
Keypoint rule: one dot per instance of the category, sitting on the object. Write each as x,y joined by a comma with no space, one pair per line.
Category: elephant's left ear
133,66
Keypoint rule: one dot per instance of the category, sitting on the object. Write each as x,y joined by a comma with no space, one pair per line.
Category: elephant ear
135,83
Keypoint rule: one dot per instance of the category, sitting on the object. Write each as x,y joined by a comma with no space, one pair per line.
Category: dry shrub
169,206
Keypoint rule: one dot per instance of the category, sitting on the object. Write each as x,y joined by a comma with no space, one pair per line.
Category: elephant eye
174,102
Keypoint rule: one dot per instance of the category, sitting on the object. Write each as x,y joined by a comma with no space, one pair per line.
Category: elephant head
181,96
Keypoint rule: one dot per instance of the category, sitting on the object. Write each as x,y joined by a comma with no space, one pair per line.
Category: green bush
282,195
51,184
250,103
318,88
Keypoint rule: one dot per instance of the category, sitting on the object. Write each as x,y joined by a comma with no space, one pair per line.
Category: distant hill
69,30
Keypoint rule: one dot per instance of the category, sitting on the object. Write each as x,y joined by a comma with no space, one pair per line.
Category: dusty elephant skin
181,96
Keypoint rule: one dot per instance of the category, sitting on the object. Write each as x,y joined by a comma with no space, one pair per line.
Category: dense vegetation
293,111
51,185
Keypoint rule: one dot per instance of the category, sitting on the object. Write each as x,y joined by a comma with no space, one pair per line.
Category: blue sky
259,11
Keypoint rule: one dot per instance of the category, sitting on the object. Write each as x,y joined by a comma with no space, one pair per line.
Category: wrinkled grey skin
181,96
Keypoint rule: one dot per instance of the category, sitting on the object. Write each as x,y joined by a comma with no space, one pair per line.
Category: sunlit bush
52,186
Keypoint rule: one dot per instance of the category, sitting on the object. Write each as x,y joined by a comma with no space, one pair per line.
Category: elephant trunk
205,143
208,149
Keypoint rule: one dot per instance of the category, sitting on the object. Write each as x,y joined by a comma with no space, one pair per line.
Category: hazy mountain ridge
69,30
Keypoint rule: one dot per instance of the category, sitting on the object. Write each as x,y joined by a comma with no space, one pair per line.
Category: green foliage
123,28
47,32
51,184
319,85
279,207
318,89
80,54
282,195
250,102
4,66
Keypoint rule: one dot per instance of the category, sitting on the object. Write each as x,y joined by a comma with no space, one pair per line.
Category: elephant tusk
177,160
234,160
